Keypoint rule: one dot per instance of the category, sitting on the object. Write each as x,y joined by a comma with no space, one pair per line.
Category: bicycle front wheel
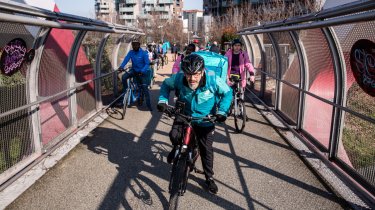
177,181
240,116
125,102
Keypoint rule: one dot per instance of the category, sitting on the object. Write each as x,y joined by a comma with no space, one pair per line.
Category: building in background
195,20
105,10
129,12
177,8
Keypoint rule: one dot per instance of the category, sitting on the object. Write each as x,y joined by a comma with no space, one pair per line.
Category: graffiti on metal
362,61
12,56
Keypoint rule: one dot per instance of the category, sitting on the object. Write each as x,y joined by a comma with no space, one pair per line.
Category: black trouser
204,136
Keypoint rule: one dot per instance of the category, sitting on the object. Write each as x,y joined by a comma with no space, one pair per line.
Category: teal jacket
213,96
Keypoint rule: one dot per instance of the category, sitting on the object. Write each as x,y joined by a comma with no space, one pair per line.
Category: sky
86,7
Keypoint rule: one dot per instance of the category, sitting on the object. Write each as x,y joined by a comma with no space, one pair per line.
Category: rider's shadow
135,158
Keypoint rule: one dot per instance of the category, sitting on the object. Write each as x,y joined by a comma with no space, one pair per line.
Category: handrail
364,117
4,114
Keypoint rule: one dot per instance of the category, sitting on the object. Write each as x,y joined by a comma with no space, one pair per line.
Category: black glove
220,118
121,69
161,107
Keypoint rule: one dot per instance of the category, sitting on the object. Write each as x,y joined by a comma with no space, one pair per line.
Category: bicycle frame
236,93
188,142
135,90
238,104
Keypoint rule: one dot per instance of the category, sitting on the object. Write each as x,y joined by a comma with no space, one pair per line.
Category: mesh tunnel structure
58,72
317,73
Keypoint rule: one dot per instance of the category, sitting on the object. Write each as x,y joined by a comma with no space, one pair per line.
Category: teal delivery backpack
215,62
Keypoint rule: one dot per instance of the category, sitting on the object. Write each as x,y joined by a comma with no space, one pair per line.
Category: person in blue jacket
140,68
203,93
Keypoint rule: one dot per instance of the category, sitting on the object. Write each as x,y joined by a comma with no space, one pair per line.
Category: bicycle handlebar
234,78
171,110
123,69
127,69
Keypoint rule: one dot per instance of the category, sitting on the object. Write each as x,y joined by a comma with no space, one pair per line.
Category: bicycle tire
125,102
177,181
240,116
166,59
230,112
152,82
141,97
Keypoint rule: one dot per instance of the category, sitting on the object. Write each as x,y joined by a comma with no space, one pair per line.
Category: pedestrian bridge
309,144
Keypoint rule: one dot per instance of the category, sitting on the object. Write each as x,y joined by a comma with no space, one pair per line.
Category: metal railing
65,76
320,83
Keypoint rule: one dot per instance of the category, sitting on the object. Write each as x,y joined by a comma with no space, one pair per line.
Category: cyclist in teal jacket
203,93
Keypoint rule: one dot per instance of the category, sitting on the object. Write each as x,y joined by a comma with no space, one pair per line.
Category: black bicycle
238,108
187,153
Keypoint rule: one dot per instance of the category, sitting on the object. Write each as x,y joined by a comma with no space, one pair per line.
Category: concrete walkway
122,165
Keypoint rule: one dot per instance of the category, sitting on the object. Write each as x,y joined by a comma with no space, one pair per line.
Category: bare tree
158,29
173,31
247,14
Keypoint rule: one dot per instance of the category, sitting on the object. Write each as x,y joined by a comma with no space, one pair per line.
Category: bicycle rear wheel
140,96
177,181
240,116
230,112
125,102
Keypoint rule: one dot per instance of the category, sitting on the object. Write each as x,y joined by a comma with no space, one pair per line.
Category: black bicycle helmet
236,41
192,63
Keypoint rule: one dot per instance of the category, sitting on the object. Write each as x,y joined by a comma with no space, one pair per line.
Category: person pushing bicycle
140,68
238,63
203,93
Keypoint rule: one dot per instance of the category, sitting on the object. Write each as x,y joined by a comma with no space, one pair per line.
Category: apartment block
129,11
195,20
177,8
105,10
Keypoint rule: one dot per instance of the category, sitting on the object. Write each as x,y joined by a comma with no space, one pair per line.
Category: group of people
198,88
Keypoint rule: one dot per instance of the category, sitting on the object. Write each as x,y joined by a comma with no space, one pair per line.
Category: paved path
122,165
